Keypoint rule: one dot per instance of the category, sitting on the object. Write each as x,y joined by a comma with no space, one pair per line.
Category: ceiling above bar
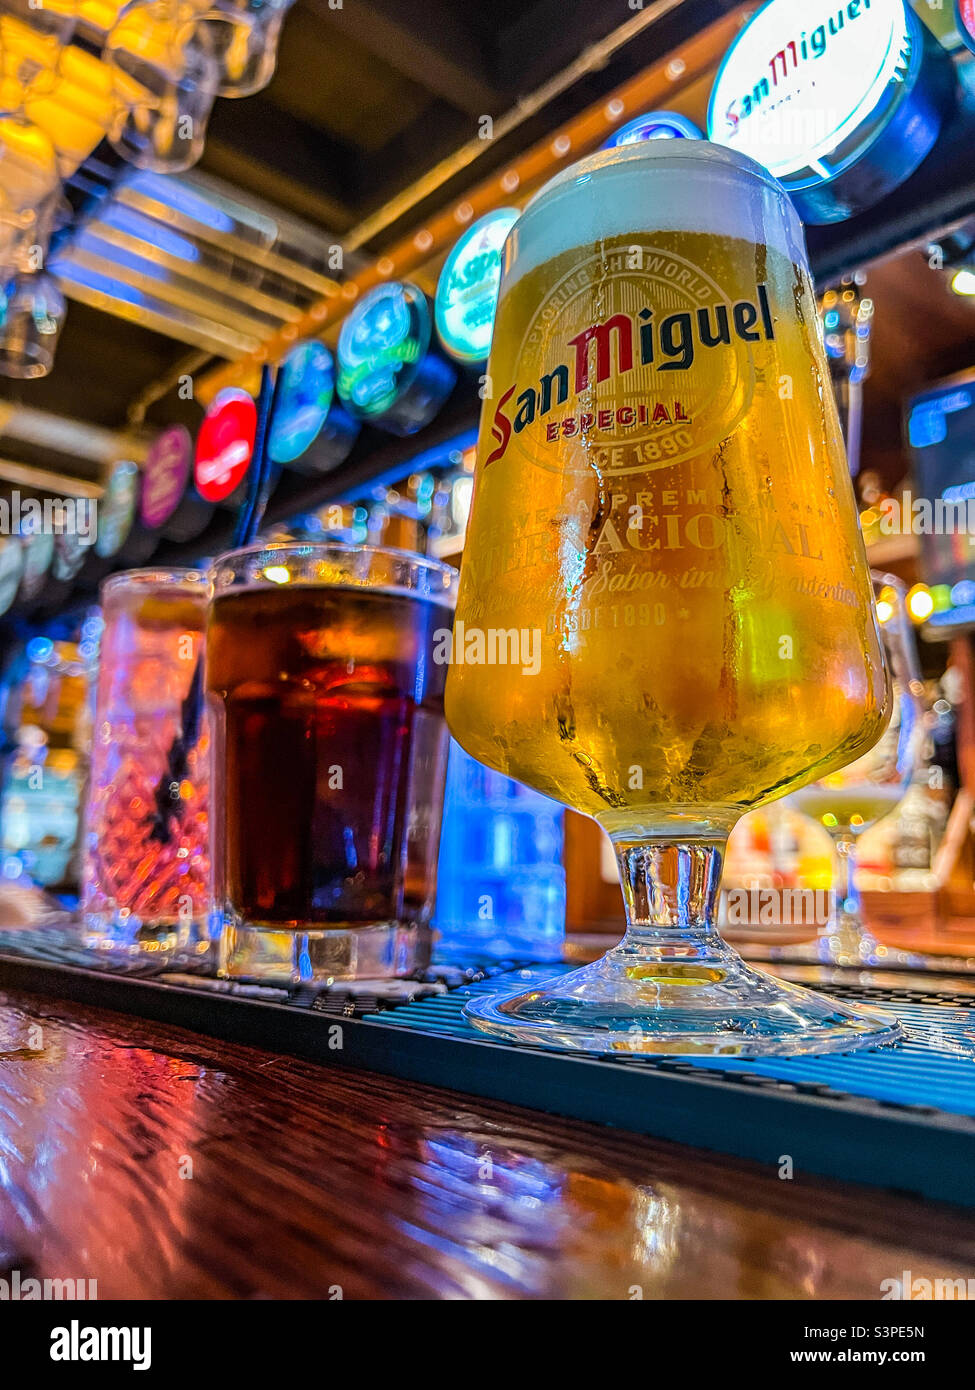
368,133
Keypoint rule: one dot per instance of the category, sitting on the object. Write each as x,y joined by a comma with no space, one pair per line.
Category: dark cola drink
331,754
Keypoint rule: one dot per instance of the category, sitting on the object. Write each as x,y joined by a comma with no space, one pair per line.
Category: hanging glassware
244,35
28,181
33,35
75,104
51,213
32,314
165,79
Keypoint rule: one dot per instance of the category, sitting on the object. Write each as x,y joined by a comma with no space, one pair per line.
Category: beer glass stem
670,892
846,886
846,941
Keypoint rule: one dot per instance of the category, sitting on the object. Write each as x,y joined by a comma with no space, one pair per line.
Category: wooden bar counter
166,1165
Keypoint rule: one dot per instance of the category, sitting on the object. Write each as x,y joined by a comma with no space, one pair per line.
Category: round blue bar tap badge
304,400
310,433
467,292
386,374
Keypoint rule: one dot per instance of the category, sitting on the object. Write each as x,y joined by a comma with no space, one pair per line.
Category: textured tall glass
146,871
663,518
325,684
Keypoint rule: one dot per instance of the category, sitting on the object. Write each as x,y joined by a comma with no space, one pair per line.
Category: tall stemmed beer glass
665,615
848,802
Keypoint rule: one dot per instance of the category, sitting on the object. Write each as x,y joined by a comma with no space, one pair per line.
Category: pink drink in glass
146,869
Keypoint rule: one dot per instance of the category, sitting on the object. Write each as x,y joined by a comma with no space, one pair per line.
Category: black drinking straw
167,797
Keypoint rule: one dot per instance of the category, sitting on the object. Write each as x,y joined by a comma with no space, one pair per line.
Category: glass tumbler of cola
325,693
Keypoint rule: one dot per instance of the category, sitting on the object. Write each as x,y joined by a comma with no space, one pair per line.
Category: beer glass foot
673,987
126,933
380,951
846,942
716,1006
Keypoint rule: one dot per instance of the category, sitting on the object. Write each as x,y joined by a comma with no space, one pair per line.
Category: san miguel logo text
612,350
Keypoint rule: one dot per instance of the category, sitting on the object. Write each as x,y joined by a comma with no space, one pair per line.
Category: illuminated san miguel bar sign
840,102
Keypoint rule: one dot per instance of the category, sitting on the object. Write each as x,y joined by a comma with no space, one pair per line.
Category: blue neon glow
951,616
104,284
177,195
147,229
655,125
39,649
501,884
960,492
926,424
88,240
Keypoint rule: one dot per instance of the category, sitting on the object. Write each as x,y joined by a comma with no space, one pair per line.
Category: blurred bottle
45,718
501,884
41,800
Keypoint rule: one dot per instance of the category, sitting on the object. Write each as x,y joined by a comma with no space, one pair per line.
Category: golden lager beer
662,491
848,810
665,615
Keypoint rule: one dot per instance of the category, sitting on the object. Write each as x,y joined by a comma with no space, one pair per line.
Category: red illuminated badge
225,444
965,11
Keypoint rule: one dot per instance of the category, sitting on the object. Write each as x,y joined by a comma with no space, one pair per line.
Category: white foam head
672,185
